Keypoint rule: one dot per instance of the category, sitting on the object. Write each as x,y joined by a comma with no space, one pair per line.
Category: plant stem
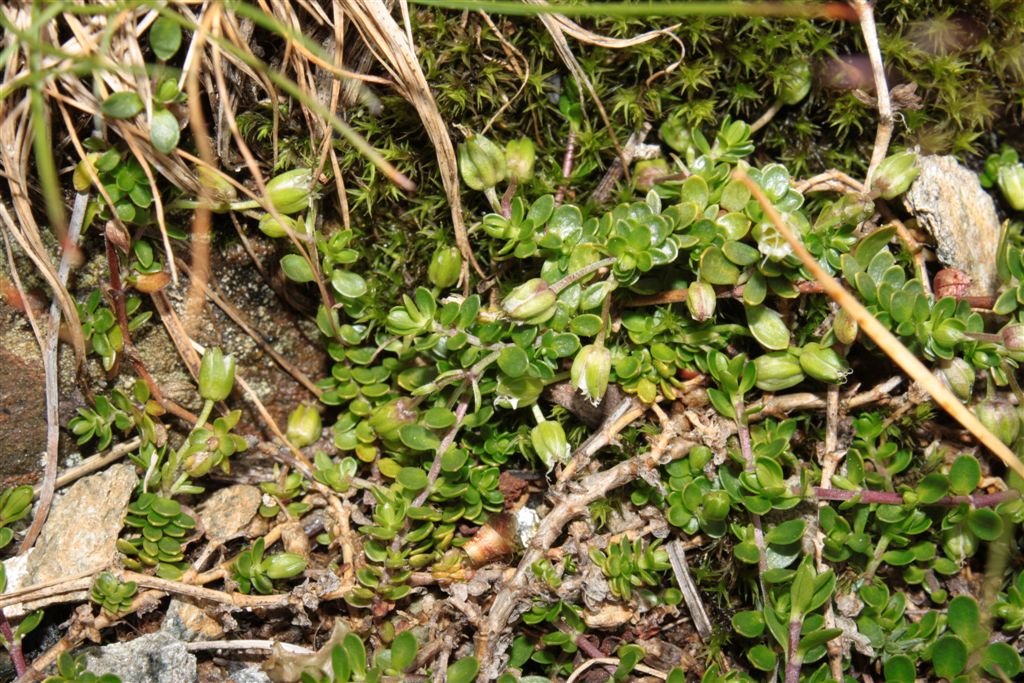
582,273
17,654
977,500
446,442
793,658
876,559
743,433
175,462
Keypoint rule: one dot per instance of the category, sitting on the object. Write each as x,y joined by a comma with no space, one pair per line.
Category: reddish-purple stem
793,655
17,655
570,154
978,500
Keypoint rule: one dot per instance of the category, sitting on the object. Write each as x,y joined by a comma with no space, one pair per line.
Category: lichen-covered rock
155,658
229,510
950,203
83,526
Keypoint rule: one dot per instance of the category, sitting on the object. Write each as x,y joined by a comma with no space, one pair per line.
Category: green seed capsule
958,376
531,299
481,163
289,192
701,301
271,227
896,173
1011,183
823,364
283,565
304,426
716,505
845,327
549,442
590,371
777,371
520,156
796,83
445,267
216,375
1000,418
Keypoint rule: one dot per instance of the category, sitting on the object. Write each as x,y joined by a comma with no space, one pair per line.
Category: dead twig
691,596
490,644
866,16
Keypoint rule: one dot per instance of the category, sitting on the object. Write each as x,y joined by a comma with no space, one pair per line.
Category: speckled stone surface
951,204
83,525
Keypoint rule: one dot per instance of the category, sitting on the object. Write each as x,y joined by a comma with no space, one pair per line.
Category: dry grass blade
885,339
391,46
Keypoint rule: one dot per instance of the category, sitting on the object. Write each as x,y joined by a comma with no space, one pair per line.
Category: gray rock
950,203
248,674
190,623
229,510
154,658
83,525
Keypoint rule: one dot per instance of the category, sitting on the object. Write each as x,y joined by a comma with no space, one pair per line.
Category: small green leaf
463,671
348,284
985,523
949,656
768,328
122,105
899,669
296,268
412,478
964,475
749,624
163,130
403,650
165,38
1002,661
513,361
418,438
786,533
762,657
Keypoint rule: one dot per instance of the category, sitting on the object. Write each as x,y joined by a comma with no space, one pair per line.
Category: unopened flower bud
1011,183
951,282
304,426
445,267
529,300
289,192
590,371
845,327
777,370
701,301
216,375
284,565
549,442
958,376
520,156
823,363
796,83
895,174
1000,418
271,227
481,162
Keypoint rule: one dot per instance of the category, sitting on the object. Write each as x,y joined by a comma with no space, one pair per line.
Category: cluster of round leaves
112,595
159,526
100,328
253,571
636,567
349,663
